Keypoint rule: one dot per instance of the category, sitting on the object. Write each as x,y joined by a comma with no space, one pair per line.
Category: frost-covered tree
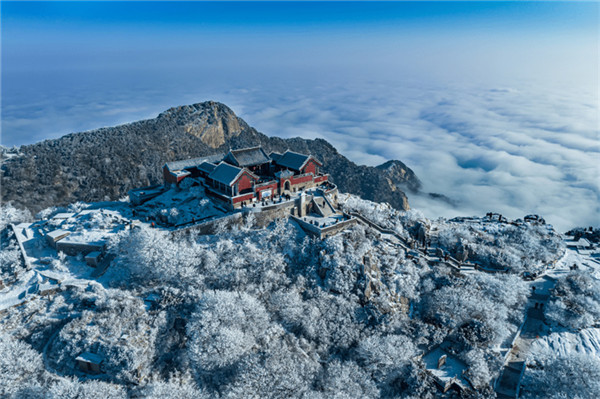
21,369
483,367
269,312
9,214
149,255
576,301
342,380
382,214
11,264
517,248
480,307
177,386
388,360
281,370
226,327
575,375
66,388
116,327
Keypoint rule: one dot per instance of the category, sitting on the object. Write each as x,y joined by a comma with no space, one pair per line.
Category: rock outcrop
400,176
213,123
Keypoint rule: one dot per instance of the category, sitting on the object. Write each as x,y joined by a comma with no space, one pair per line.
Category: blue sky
481,99
129,34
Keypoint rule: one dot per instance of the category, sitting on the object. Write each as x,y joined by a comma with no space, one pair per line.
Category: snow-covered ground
323,221
539,340
51,270
584,259
565,343
163,268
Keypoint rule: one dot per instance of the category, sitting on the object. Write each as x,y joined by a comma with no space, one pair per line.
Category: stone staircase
430,254
323,207
508,384
467,269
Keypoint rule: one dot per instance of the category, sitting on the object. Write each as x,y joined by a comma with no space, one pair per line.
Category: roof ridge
248,148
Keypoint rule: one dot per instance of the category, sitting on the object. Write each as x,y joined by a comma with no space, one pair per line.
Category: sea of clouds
514,149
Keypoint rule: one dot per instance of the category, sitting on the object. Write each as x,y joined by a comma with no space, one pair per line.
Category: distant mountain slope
106,163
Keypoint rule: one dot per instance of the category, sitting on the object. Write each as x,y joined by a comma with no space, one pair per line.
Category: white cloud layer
518,149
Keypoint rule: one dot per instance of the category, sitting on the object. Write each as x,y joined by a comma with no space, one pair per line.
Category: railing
21,247
383,230
323,231
321,178
488,270
329,203
330,190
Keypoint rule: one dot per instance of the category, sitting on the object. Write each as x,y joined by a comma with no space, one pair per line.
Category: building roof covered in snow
63,215
247,157
90,358
446,368
580,243
227,174
57,234
293,160
93,255
193,162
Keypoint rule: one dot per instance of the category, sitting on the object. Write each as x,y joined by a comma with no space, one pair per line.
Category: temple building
247,175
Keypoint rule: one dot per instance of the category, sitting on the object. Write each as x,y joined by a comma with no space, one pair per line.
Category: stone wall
211,226
270,213
326,231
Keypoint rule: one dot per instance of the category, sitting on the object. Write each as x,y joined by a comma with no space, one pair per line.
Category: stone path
429,254
509,382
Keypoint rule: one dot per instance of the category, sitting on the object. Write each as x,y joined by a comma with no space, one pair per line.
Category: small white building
63,216
93,258
56,235
141,195
579,244
89,362
447,370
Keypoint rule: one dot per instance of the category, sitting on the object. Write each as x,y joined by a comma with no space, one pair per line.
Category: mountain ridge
105,163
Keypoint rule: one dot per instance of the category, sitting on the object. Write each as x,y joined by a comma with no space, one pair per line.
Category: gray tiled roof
249,156
193,162
207,167
225,173
292,160
275,156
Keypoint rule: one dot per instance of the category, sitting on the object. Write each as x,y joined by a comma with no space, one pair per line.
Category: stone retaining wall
325,231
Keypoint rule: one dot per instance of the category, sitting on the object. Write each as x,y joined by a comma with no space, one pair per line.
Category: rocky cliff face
400,176
212,123
104,164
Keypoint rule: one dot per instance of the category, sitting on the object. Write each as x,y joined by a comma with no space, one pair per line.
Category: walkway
429,254
509,382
